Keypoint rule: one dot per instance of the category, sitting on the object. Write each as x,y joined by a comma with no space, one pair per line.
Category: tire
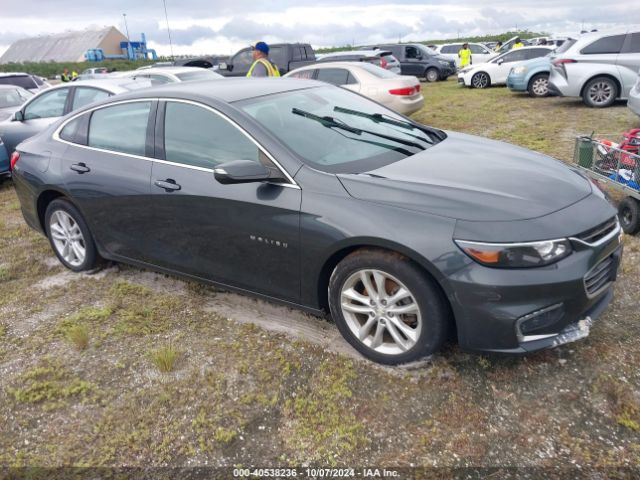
432,75
422,327
65,226
629,215
600,92
481,80
539,85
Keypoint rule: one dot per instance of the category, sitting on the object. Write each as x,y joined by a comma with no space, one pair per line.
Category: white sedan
399,93
496,70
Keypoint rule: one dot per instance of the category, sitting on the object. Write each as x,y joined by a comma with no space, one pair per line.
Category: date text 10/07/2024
314,473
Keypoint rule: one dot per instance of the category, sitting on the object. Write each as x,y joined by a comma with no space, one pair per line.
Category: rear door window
120,128
278,55
515,56
196,136
605,45
306,74
84,96
49,104
477,50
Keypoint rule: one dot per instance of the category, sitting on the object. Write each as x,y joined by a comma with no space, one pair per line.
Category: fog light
533,323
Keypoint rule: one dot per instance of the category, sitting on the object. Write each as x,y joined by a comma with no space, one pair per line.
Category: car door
413,63
340,77
629,63
38,114
500,69
107,171
245,235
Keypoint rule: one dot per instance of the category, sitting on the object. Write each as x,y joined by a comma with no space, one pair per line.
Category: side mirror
224,66
241,171
18,116
500,62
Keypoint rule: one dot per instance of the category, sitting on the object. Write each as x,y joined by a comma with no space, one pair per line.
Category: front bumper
517,83
490,304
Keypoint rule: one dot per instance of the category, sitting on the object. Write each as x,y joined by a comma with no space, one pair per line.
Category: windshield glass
565,46
426,50
337,131
13,97
198,74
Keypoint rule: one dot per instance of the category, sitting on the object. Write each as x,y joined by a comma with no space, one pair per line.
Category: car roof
14,74
364,51
228,90
113,85
10,87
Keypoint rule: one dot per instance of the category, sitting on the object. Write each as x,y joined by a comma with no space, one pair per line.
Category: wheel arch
606,75
535,74
44,199
342,250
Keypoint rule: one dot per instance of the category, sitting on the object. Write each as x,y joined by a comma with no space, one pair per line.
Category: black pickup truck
286,56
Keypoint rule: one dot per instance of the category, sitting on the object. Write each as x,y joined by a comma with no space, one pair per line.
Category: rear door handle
80,168
169,185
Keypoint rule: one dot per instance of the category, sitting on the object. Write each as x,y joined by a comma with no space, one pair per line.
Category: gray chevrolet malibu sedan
319,198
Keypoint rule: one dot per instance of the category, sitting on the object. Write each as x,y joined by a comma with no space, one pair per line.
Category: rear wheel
539,85
629,215
70,237
600,92
480,80
432,75
387,308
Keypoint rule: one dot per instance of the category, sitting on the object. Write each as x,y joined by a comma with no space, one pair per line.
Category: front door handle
169,185
80,168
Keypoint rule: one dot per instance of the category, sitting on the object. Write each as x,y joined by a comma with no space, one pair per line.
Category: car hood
473,178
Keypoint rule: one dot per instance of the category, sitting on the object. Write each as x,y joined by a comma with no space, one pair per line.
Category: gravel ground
255,384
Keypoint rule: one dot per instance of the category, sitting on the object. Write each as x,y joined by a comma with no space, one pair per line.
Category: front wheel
480,80
387,308
629,215
70,237
432,75
539,85
600,92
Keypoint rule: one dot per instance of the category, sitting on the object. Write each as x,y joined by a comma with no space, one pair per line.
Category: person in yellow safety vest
65,77
74,75
465,56
497,47
262,66
517,44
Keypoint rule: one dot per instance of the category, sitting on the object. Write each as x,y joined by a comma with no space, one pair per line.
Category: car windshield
337,131
565,46
426,50
23,81
197,74
377,71
13,97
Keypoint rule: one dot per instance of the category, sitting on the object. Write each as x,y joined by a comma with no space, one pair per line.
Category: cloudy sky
213,26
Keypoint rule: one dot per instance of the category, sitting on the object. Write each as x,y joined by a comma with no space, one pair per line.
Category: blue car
4,162
531,76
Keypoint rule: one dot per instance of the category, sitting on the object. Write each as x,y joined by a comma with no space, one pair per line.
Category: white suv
479,53
599,67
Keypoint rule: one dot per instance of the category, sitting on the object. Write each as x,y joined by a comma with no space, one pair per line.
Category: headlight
516,255
519,70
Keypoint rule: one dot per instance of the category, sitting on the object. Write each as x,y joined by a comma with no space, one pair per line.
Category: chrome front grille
600,276
597,233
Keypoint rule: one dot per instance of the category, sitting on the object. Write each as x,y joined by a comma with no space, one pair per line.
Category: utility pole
168,29
124,15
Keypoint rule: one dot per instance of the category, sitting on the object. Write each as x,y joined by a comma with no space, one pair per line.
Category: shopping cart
618,167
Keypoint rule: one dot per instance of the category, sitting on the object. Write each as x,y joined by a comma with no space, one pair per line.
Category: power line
168,29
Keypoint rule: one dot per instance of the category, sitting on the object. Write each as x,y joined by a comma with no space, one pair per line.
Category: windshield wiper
380,118
331,122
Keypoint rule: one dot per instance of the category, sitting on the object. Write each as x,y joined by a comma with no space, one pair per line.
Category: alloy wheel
67,238
480,80
600,92
540,86
381,312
